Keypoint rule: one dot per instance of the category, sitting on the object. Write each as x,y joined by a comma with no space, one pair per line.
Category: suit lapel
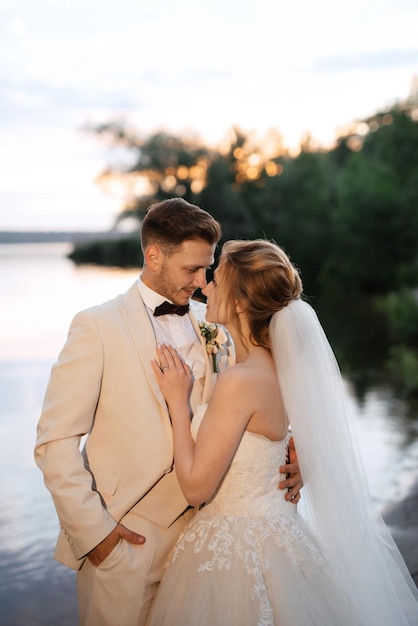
137,319
140,326
210,376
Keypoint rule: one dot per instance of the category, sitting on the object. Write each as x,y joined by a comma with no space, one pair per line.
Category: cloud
373,60
16,26
187,76
45,103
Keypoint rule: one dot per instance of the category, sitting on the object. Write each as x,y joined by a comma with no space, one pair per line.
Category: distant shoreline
9,237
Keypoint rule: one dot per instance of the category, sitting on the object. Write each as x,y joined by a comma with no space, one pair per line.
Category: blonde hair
259,276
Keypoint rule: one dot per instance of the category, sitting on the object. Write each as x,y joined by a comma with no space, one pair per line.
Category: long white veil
336,497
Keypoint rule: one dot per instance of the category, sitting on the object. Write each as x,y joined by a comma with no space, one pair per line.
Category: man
118,500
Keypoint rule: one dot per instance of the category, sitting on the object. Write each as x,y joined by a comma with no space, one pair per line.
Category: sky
183,67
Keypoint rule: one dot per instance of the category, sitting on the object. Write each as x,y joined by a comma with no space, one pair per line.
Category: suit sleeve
68,413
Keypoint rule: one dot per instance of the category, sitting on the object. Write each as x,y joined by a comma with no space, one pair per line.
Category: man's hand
105,547
293,482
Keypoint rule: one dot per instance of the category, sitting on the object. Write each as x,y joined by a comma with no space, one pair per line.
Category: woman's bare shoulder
241,376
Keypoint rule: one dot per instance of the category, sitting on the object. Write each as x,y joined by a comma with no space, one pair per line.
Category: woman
248,557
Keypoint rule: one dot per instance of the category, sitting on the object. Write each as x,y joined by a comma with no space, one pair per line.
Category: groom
118,500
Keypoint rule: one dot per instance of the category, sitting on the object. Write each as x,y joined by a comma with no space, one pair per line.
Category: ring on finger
164,367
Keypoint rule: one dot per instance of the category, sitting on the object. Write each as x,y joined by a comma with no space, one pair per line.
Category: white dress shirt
175,330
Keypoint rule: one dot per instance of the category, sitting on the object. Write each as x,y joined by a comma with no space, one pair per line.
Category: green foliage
401,309
124,252
403,370
299,203
375,221
225,202
167,162
394,141
358,331
292,208
347,217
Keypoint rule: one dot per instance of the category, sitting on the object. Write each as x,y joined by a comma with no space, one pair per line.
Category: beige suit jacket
103,386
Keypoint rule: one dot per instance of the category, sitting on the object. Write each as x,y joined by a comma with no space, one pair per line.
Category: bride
248,557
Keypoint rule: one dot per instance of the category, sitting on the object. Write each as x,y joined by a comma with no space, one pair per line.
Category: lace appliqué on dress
245,515
222,537
225,536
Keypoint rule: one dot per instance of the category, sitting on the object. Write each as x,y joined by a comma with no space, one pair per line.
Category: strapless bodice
250,485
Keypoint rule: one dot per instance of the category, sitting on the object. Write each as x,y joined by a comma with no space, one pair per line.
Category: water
40,292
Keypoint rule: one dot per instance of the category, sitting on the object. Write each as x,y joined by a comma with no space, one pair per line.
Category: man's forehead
196,248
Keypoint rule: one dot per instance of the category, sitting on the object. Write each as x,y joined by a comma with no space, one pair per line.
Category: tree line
347,216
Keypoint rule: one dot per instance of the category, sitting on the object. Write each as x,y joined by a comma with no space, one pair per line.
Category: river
40,291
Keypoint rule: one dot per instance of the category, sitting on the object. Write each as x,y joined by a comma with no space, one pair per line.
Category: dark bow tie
171,309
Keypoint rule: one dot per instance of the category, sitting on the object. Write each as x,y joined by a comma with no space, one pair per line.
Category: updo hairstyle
259,276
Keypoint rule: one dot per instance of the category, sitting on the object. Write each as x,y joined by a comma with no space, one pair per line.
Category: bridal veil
339,508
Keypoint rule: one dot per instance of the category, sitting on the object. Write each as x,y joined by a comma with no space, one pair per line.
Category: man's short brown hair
171,222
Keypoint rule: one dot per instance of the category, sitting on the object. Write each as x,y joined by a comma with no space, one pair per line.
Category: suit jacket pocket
163,504
103,481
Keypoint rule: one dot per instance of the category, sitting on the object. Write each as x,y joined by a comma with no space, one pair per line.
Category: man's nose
200,279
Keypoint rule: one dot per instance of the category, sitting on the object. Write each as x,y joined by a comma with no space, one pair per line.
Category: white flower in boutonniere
215,338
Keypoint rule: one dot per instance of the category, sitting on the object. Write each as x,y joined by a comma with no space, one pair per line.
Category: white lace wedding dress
247,558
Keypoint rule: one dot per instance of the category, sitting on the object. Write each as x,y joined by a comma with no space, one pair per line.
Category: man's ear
153,258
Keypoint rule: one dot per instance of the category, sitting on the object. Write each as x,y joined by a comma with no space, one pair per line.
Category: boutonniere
214,337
